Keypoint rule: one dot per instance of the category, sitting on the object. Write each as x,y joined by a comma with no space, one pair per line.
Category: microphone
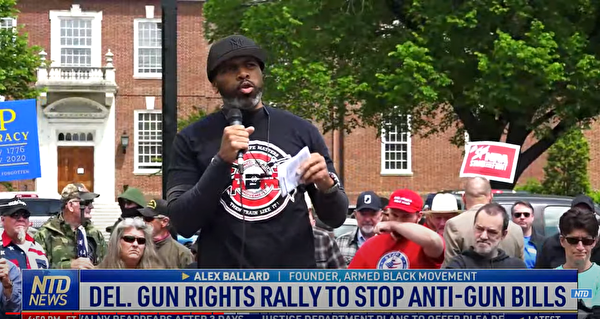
234,117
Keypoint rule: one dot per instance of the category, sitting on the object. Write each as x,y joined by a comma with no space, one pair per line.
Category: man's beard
367,230
242,101
21,234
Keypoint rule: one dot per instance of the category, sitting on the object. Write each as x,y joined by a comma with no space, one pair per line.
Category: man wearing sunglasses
173,254
17,245
522,215
69,239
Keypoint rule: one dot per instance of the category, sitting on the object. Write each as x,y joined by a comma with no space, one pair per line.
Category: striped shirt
29,255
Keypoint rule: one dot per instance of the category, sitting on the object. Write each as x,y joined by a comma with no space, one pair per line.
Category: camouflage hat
77,191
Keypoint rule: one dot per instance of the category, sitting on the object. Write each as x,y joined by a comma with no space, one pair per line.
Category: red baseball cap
406,200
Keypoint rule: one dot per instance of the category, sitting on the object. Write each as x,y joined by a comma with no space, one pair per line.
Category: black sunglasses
131,239
575,240
526,215
21,213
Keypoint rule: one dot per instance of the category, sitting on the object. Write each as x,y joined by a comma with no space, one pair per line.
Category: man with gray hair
489,229
458,233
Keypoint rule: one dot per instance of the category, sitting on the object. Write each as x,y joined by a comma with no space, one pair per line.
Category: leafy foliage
18,61
499,70
532,186
567,167
198,114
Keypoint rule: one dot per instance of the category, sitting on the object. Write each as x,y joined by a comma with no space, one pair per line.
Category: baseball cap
585,200
368,200
77,191
233,46
406,200
154,208
12,205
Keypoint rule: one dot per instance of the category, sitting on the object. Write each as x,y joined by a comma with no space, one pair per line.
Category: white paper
288,175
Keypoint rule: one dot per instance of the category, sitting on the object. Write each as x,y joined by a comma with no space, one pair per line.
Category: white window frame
136,44
14,22
136,162
397,172
75,13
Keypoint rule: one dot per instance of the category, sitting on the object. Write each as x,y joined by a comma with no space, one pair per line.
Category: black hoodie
469,259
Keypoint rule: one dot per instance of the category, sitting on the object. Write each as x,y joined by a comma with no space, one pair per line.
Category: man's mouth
246,87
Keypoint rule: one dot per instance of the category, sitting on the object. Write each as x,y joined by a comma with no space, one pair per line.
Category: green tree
18,61
566,169
499,70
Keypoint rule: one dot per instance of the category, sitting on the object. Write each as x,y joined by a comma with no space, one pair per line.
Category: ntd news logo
50,290
581,293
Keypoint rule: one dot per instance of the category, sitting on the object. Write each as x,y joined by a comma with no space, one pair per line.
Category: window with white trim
76,42
75,37
147,54
396,154
148,141
8,23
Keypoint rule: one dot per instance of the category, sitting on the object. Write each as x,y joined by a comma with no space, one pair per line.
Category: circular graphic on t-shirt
257,195
393,260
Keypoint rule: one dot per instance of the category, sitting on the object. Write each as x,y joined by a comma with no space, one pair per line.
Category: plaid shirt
348,244
327,253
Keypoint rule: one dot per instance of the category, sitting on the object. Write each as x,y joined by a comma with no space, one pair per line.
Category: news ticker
240,291
383,315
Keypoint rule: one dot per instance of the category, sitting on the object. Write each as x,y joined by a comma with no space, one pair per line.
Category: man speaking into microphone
223,176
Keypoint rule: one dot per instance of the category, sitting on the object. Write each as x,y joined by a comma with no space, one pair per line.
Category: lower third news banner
301,294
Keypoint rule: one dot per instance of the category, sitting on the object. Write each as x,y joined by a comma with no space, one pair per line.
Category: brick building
100,121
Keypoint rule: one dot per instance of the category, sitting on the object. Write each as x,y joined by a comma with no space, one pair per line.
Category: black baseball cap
154,208
12,205
368,200
584,200
233,46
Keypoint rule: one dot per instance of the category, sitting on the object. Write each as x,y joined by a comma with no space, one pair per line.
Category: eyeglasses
518,215
22,213
131,239
584,240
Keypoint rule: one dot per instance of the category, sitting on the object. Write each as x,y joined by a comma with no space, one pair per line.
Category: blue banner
19,144
239,291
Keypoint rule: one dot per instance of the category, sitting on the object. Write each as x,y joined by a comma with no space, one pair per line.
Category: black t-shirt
277,230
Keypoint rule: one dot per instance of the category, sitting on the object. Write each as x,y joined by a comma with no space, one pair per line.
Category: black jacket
552,254
469,259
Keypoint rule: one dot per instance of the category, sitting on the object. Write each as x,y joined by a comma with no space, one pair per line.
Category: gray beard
243,103
21,235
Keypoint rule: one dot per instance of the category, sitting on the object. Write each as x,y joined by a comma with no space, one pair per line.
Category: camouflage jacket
59,242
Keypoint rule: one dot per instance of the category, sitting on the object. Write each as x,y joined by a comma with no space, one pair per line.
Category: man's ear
165,221
214,86
504,233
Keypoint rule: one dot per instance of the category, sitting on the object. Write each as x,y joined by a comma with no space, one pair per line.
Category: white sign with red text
493,160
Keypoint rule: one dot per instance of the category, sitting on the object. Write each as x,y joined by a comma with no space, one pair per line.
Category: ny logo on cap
236,43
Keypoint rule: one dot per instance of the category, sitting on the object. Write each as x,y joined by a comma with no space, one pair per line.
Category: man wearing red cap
401,242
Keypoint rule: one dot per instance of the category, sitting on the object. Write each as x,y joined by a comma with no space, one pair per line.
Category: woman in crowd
131,247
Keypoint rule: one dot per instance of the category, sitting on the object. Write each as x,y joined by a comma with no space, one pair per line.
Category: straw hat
444,203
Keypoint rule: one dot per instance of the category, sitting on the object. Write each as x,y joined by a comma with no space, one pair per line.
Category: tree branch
534,151
544,118
469,121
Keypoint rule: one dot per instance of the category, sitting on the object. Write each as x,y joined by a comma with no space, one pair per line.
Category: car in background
547,209
348,226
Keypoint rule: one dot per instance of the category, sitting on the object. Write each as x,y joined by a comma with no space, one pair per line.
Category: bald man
458,233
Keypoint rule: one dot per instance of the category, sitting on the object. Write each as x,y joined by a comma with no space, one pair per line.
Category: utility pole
169,85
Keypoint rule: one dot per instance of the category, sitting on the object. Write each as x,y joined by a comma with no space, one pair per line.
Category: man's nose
243,73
